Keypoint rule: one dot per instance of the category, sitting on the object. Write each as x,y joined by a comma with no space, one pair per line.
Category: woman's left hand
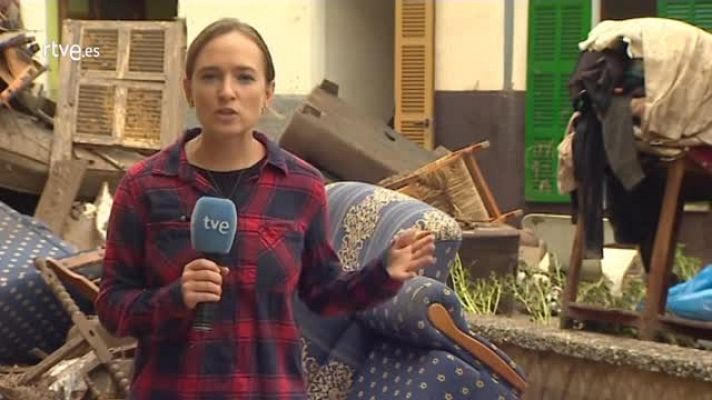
412,250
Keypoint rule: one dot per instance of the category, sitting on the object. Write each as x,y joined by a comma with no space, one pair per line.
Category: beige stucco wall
34,17
293,30
469,45
360,52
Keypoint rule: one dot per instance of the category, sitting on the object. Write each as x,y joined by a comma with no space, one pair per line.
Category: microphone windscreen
213,225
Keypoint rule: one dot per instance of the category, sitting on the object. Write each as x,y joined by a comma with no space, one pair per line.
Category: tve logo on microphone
213,225
216,225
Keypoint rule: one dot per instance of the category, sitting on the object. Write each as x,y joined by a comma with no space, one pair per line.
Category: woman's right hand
201,282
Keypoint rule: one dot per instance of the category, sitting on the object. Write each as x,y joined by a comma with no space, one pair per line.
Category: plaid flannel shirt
253,350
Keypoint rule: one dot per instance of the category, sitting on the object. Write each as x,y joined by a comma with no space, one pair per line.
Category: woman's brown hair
221,27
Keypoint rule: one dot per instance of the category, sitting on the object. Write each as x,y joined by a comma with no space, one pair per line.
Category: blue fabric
397,371
405,319
693,299
392,351
30,315
365,218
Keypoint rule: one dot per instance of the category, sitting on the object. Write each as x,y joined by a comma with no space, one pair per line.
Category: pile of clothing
641,93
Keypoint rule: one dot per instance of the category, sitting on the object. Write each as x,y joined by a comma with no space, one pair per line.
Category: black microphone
213,225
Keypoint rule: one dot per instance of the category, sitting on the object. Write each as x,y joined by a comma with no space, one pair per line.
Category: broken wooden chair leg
86,330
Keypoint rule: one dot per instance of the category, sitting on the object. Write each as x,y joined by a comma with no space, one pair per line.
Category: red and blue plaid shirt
253,350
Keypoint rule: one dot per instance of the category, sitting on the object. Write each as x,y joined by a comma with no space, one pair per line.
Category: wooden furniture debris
115,108
60,191
65,269
652,320
91,334
25,148
18,68
347,144
130,94
454,183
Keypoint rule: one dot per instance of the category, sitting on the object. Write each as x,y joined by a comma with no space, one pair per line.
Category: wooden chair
454,183
90,335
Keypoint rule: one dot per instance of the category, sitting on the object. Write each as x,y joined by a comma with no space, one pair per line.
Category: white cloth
678,75
565,180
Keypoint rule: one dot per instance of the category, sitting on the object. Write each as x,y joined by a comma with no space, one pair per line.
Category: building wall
470,101
469,45
293,29
360,53
556,376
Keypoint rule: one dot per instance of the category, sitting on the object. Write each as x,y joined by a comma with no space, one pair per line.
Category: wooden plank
64,123
19,135
113,141
482,187
79,260
590,312
22,81
663,250
111,77
175,104
573,274
698,329
84,286
58,355
63,183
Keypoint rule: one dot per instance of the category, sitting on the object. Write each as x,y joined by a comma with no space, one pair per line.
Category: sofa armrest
428,314
405,316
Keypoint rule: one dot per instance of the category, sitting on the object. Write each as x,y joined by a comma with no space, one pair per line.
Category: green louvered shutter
697,12
555,28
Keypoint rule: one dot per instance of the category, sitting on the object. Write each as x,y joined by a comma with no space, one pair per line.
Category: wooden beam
65,179
63,127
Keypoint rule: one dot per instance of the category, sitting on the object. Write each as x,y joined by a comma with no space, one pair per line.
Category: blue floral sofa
414,346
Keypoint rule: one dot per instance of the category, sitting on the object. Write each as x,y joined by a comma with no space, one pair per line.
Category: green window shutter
696,12
555,29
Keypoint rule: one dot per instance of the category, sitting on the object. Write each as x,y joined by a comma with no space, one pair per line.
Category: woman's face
228,87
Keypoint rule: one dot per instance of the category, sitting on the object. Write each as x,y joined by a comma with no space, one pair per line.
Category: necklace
220,189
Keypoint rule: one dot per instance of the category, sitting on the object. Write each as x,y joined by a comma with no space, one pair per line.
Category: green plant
480,296
684,266
537,291
599,293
